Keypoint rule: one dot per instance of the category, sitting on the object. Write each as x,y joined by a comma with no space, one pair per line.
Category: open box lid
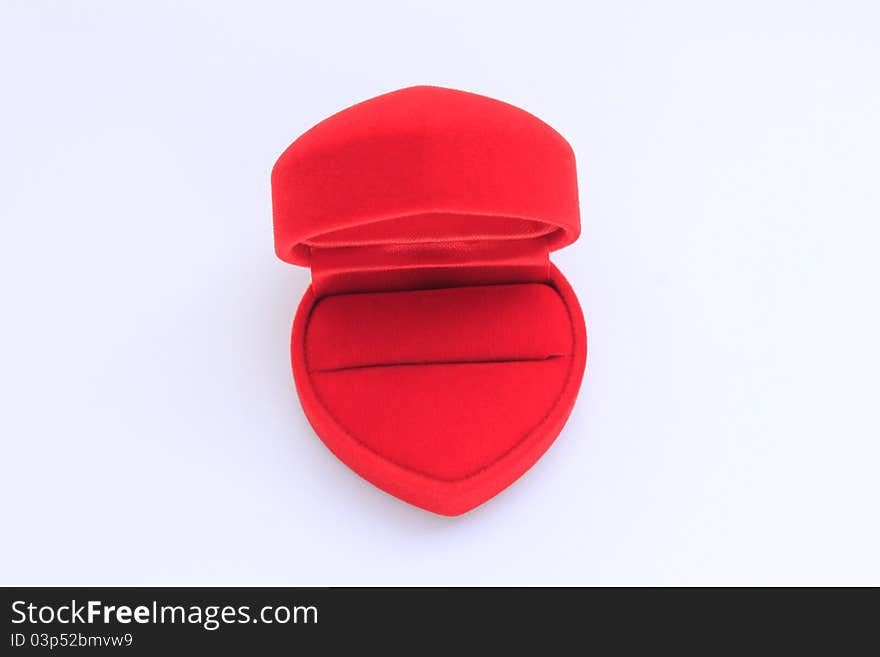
438,353
381,171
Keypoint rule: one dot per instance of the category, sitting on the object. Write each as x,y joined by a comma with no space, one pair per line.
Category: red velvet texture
437,353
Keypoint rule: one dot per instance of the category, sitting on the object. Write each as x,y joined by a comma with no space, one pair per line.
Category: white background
727,430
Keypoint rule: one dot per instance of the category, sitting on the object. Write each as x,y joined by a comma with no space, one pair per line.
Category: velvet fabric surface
438,352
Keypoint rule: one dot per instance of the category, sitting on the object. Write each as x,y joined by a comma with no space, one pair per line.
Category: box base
441,397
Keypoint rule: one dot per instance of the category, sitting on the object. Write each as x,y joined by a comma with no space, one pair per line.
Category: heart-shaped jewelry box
438,352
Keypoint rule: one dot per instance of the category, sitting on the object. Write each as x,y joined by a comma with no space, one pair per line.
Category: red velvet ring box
437,352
